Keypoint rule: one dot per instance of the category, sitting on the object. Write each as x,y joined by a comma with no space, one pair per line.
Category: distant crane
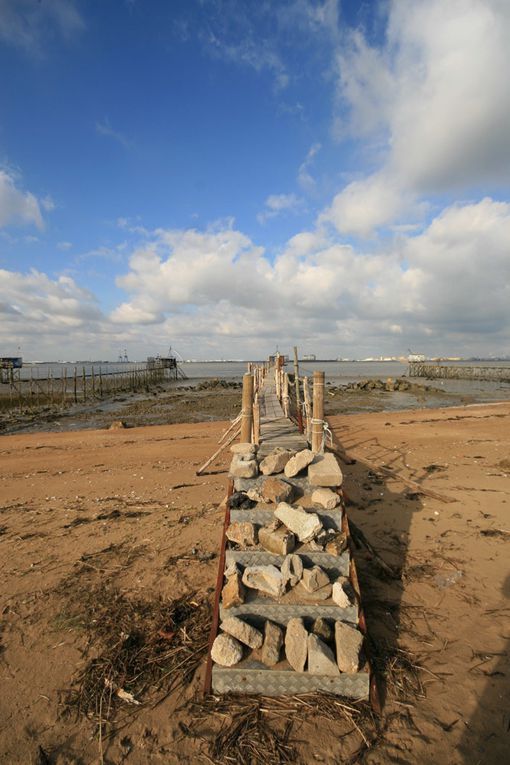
123,359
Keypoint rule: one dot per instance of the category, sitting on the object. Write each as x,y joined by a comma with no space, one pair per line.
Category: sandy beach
122,510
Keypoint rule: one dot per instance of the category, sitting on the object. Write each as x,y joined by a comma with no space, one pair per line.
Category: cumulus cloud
430,290
431,102
18,207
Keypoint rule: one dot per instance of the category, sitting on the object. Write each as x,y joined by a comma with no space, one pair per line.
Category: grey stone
324,593
348,647
242,533
276,490
321,659
296,645
273,641
292,569
323,629
304,525
326,498
267,579
314,578
343,594
226,651
280,541
325,471
233,593
299,462
242,631
275,461
244,449
240,468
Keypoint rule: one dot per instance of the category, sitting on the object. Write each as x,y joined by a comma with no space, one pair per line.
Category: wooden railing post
247,409
299,413
318,412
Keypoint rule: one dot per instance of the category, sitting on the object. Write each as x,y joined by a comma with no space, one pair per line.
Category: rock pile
329,648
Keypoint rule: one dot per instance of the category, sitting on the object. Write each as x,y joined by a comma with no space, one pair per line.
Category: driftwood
218,451
228,430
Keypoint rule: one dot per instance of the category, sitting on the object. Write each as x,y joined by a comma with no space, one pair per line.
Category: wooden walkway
275,428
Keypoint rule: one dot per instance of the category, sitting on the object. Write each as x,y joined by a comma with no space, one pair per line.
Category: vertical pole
306,397
100,383
256,422
318,412
93,383
64,387
75,385
285,396
247,409
298,395
84,379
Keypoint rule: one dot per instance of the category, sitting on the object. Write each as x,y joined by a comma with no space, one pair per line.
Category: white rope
326,432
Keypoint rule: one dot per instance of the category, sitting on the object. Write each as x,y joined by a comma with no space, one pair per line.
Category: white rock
275,461
314,578
240,468
267,579
348,646
273,641
292,569
327,498
321,659
244,449
226,651
342,592
242,631
325,471
304,525
299,462
296,646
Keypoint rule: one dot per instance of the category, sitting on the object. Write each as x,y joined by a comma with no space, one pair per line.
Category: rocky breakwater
289,610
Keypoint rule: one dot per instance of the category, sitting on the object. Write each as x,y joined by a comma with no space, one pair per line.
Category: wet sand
125,507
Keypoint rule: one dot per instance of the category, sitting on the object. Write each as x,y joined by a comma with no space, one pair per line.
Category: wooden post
247,409
93,383
84,384
318,412
285,396
256,422
306,397
75,385
298,395
64,387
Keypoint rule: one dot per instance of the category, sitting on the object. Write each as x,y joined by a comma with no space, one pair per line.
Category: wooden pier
275,424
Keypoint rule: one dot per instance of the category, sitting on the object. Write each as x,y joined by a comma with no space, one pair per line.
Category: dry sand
125,508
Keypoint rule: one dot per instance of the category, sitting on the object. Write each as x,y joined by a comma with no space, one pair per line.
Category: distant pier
447,372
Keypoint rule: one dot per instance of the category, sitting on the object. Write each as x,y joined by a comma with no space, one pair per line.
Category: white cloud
27,23
216,294
431,103
276,204
305,179
104,128
17,207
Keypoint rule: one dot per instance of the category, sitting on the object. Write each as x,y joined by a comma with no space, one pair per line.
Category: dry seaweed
136,647
257,730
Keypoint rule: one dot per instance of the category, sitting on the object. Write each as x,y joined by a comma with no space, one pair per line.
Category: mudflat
92,520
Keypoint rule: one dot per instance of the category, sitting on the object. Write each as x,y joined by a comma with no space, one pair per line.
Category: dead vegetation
136,650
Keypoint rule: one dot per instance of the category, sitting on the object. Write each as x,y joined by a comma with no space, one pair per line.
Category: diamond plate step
258,610
271,682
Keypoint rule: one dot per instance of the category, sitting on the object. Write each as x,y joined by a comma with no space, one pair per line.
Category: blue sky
223,176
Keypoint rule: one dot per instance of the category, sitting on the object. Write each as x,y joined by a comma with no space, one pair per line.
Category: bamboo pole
75,385
285,394
232,425
308,413
247,409
299,413
256,422
318,412
218,451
